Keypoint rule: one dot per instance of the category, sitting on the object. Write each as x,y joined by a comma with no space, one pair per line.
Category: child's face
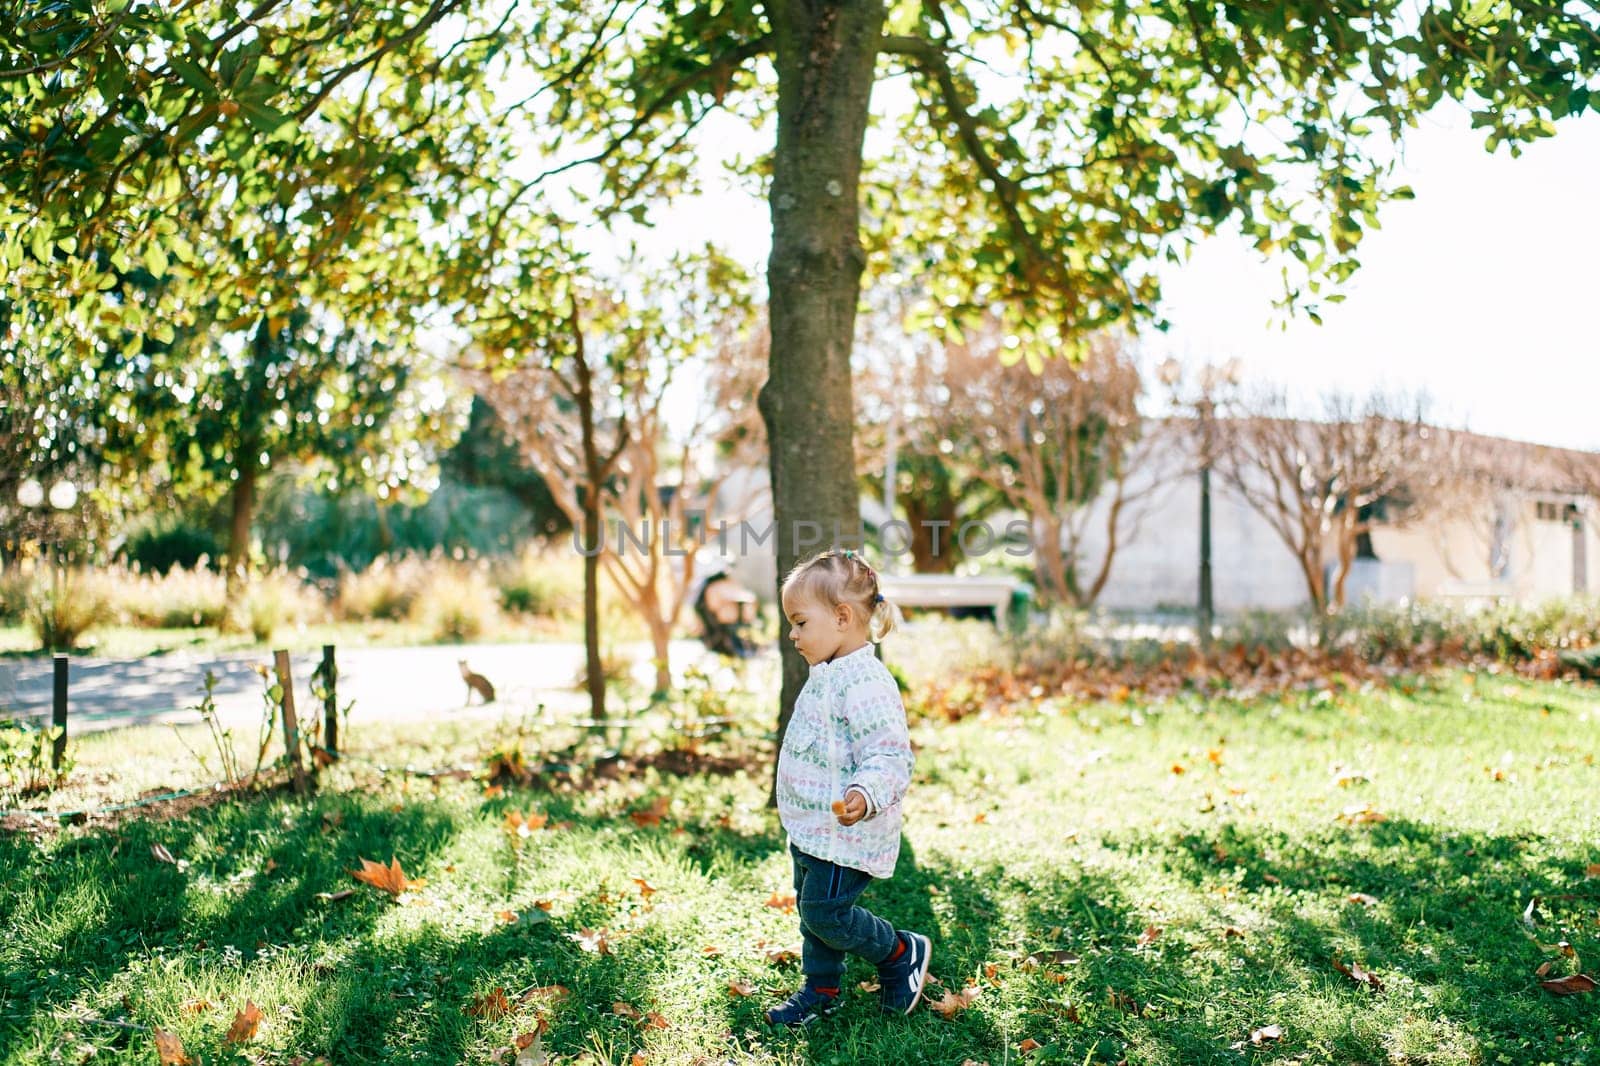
818,631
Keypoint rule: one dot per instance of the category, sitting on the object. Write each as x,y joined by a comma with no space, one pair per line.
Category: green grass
1059,828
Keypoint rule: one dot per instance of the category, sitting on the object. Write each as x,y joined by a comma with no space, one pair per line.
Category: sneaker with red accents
904,978
804,1007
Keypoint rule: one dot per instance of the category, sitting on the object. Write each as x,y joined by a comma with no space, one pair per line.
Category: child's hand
851,809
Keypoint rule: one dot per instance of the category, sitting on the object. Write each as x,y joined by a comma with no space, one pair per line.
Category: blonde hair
839,576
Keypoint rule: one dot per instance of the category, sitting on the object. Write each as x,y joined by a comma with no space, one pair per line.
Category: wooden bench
949,590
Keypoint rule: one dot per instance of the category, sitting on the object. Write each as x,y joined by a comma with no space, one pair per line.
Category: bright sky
1481,291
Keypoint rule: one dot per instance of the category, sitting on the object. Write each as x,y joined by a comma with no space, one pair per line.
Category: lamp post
1212,380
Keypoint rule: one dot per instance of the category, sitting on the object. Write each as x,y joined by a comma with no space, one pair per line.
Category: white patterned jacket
848,731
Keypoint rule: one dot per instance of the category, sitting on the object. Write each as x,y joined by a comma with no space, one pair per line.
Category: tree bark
921,514
594,533
825,58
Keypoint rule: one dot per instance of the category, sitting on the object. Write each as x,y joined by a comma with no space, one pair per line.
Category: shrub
25,757
278,599
457,605
388,590
62,611
163,546
177,599
14,589
540,583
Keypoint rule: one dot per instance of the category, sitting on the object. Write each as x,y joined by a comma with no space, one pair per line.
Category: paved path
391,683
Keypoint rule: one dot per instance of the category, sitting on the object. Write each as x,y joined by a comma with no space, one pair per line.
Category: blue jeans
831,925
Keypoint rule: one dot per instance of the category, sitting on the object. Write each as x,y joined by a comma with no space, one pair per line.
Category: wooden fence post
58,716
330,701
291,727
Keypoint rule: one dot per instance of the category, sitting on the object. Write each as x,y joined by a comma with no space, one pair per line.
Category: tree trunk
825,58
594,534
660,636
238,572
920,517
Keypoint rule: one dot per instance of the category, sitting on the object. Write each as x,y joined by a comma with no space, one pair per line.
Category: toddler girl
842,772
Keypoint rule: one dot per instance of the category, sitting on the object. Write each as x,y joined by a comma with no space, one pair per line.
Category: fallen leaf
1072,1015
493,791
779,902
169,1050
638,1059
1230,930
991,971
1362,898
244,1025
552,993
624,1010
509,917
491,1005
532,1054
645,888
710,950
980,818
526,1039
1029,1046
1571,985
162,854
656,1021
1593,870
1266,1034
741,988
1177,768
390,878
200,1006
597,941
652,815
1359,975
545,904
1543,970
1360,814
870,986
952,1003
1148,937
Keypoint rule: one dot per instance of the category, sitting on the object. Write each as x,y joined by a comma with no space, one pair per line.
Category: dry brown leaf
1543,970
1230,931
655,1021
552,993
980,818
870,986
243,1029
1360,814
1571,985
741,988
1593,870
169,1050
597,941
1177,768
1149,936
545,904
646,889
991,971
525,1039
1362,898
1359,975
493,791
1029,1046
390,878
508,917
652,815
490,1006
710,950
1266,1034
952,1003
200,1006
781,902
638,1059
624,1010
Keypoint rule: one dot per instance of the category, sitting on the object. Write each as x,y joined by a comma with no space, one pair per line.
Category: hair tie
878,598
849,553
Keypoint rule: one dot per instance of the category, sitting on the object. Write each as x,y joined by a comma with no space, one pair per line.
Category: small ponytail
885,619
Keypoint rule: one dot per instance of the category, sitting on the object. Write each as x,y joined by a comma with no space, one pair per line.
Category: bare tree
594,424
1061,440
1323,484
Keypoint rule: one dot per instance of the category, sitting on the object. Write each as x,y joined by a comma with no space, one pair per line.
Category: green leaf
268,120
155,260
193,77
